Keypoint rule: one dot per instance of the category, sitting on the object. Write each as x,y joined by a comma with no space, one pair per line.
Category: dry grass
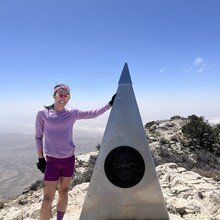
208,173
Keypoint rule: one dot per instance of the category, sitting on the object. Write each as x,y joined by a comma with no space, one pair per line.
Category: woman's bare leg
63,188
49,193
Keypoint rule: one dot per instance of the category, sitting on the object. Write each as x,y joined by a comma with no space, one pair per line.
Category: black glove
41,165
112,100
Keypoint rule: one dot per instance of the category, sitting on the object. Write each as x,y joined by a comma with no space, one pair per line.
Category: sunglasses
60,96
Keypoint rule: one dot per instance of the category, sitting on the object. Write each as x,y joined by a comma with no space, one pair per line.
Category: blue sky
172,49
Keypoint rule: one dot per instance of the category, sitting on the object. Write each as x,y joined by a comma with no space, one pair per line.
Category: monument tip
125,76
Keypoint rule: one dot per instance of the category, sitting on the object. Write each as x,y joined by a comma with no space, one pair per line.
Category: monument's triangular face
124,184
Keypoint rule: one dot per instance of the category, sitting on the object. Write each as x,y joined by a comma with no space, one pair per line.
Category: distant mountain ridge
19,156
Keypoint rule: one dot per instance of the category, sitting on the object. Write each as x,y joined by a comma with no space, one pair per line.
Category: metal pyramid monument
124,184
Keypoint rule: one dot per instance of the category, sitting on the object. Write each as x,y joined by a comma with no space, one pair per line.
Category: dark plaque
124,167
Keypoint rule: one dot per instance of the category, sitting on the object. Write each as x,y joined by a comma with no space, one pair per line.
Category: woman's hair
55,89
48,107
60,86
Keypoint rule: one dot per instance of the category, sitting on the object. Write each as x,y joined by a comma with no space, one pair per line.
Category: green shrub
1,204
176,117
149,124
200,133
217,130
37,185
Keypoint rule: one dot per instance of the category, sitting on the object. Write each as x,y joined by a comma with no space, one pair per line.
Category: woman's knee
63,190
47,200
63,186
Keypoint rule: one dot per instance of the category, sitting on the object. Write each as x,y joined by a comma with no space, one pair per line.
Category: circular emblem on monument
124,167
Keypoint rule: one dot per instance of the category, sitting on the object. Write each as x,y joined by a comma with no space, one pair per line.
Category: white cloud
201,69
162,70
198,61
187,68
198,65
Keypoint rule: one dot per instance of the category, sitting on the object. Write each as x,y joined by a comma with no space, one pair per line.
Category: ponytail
49,107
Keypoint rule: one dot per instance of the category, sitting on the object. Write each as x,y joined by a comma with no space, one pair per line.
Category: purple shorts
59,167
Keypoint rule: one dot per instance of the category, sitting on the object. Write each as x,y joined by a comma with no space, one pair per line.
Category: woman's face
62,97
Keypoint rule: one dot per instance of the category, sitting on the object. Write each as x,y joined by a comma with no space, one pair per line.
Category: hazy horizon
24,124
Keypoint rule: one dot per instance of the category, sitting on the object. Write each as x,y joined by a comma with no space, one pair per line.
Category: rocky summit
189,179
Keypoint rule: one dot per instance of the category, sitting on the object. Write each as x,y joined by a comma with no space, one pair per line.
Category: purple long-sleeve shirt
57,129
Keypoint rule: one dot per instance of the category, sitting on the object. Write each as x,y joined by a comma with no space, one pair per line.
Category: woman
55,124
